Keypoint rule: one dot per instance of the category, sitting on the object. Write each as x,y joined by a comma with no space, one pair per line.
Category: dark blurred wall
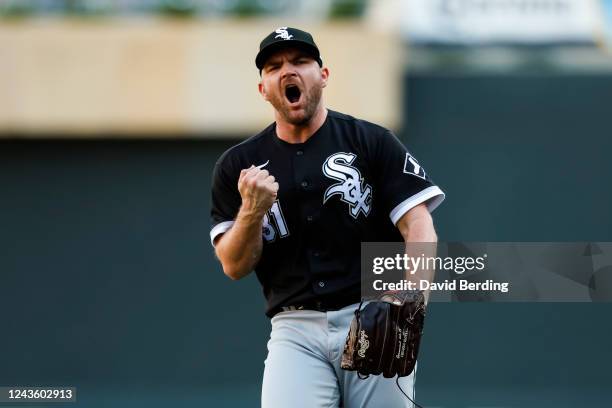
521,158
108,278
107,268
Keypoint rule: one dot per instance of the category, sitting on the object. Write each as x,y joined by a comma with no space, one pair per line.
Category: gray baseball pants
302,369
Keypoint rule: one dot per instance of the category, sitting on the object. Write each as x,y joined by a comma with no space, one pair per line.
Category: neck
300,133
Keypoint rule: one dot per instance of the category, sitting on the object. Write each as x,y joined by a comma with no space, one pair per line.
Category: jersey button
304,184
321,284
309,218
299,152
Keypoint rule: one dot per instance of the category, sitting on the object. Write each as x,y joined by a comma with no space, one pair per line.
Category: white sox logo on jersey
351,188
283,33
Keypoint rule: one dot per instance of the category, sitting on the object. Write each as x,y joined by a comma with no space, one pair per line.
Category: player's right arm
240,247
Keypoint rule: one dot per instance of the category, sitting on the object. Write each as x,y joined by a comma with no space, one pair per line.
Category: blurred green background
108,281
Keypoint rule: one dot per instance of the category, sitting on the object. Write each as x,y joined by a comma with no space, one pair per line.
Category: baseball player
293,203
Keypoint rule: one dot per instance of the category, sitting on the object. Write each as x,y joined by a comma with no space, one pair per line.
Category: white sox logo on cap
283,37
283,33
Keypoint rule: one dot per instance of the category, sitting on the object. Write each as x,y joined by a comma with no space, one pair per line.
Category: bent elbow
232,276
233,273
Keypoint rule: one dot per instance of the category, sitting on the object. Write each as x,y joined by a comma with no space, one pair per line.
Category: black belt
319,305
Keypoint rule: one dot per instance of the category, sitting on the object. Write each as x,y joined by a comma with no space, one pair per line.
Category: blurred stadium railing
187,8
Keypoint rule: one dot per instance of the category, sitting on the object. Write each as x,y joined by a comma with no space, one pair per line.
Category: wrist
250,215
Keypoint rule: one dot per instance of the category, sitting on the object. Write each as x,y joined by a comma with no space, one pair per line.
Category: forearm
420,239
420,229
239,249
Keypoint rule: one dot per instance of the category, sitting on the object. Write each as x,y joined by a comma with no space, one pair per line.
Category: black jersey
350,182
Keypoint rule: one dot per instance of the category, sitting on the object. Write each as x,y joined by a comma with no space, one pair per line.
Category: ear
262,91
324,76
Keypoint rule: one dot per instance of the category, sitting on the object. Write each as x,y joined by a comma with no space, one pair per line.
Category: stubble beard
312,98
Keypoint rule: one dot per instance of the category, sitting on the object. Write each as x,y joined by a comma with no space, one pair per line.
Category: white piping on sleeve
420,197
219,229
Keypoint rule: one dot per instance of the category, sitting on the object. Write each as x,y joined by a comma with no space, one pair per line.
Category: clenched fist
258,190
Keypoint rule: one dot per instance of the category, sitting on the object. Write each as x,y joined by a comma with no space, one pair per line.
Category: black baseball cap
286,37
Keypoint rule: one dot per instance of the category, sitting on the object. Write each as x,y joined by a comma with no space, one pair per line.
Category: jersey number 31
277,227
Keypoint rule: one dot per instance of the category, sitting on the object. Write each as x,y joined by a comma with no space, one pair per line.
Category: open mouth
292,93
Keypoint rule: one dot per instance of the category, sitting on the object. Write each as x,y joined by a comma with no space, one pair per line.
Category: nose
287,70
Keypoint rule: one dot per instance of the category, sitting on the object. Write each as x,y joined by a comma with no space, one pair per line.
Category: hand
258,190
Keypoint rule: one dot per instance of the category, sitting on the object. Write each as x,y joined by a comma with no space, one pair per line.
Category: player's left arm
411,195
417,229
416,225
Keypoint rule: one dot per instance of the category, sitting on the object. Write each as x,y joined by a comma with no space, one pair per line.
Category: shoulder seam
349,118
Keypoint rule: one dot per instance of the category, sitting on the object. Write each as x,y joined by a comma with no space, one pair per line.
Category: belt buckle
292,308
